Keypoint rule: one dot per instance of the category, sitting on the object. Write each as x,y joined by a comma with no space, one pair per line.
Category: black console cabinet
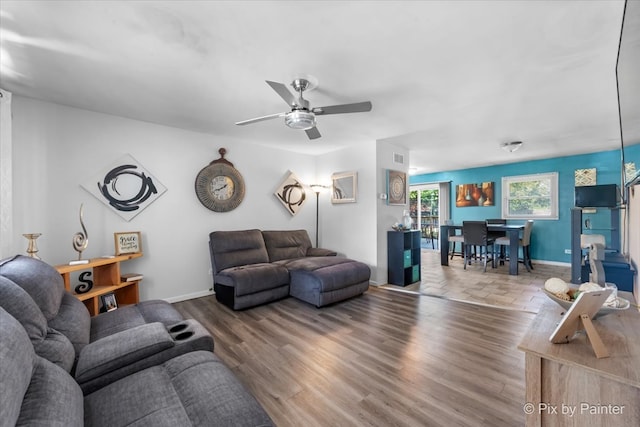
403,257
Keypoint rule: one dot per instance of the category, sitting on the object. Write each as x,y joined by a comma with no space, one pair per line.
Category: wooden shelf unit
106,279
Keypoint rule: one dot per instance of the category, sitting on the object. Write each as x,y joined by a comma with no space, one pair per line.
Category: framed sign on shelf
128,242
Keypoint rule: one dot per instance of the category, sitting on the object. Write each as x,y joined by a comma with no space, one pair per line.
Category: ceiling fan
301,115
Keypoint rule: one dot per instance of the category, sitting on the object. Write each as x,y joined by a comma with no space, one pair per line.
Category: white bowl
623,304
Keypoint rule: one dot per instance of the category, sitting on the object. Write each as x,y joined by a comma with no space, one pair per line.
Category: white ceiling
450,81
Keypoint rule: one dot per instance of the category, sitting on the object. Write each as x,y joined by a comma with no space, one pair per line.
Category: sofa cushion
236,248
252,278
327,273
16,354
53,398
17,302
130,316
286,244
192,389
47,342
73,321
40,280
30,386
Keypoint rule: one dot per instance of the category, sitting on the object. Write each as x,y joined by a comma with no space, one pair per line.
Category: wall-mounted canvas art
475,194
125,186
291,193
396,187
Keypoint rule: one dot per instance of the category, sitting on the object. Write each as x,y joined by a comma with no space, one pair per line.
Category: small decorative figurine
32,249
81,238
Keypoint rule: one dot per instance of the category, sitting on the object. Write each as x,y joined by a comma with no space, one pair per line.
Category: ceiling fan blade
283,92
260,119
358,107
313,133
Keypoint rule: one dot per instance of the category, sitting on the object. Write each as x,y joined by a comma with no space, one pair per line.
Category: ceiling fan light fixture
300,119
511,146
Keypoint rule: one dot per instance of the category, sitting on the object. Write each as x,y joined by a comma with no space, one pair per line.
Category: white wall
387,215
55,148
350,228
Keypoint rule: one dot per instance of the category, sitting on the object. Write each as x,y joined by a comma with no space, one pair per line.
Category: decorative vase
32,249
406,219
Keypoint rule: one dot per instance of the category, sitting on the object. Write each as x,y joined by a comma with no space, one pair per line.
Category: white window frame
552,177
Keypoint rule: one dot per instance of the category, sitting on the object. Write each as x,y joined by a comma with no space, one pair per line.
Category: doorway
424,202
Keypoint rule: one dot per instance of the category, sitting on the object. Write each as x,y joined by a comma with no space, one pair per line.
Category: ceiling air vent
398,158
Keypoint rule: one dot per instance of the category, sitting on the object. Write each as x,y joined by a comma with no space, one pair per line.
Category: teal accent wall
549,237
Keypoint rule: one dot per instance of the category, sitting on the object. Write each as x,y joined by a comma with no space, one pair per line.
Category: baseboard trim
186,297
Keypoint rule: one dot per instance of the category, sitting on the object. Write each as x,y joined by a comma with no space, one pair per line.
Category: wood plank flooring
382,359
495,287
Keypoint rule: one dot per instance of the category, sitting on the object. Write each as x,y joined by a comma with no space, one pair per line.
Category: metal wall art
291,193
125,186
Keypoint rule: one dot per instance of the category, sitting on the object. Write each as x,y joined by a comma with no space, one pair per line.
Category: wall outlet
567,251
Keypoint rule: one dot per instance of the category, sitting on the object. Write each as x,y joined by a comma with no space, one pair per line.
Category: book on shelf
131,277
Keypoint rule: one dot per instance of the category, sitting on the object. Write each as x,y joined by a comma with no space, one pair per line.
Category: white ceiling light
300,119
511,146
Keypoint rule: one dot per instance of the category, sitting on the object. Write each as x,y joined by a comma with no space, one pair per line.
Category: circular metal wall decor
219,186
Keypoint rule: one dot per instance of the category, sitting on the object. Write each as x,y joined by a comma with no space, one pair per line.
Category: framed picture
291,193
396,187
128,242
480,194
109,302
344,187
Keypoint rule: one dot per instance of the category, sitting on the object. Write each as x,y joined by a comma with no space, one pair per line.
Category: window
530,196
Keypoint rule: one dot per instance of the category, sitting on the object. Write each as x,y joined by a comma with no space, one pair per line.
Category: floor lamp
317,188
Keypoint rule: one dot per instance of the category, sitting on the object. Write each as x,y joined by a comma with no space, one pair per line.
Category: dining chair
454,238
524,242
476,234
498,234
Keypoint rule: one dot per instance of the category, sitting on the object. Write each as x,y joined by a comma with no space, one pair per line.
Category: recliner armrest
116,356
121,349
320,252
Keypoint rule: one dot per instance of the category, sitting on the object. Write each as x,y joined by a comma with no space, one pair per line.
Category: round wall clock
219,186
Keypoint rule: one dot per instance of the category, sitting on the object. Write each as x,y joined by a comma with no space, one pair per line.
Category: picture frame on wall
109,302
396,187
477,194
128,242
344,187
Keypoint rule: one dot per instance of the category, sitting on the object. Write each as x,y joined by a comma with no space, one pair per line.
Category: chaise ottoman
324,280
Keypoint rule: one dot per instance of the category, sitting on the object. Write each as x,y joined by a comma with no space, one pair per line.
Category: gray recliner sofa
192,389
253,267
96,350
141,364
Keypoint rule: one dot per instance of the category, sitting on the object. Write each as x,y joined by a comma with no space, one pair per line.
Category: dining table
512,230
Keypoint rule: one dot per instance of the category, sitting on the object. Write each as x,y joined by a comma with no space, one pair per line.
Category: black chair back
475,233
497,221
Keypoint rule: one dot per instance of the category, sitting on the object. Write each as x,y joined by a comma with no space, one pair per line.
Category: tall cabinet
403,257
